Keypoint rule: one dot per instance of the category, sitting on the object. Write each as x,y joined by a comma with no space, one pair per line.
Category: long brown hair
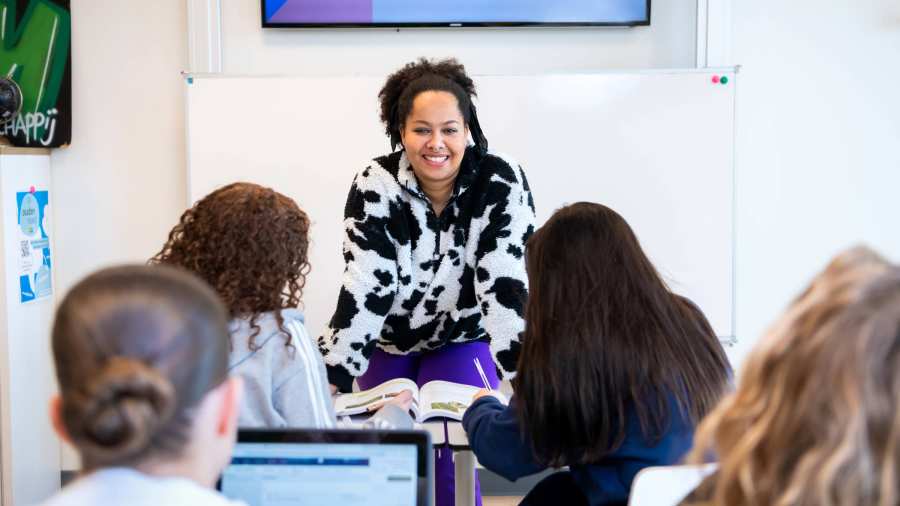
136,348
250,244
815,419
604,336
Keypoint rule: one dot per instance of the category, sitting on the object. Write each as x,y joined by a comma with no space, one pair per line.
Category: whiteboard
656,146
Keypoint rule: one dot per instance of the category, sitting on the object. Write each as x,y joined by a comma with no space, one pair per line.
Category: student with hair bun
434,236
145,398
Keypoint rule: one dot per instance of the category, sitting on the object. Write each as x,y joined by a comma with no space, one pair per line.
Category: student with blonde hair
815,419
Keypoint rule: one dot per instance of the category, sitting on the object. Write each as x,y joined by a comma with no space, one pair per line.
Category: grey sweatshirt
283,387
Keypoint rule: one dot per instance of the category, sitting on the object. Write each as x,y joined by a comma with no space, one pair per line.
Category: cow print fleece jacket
415,281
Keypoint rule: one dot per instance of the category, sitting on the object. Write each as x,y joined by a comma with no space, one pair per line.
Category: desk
452,433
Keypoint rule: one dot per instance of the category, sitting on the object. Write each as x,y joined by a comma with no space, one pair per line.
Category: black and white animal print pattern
416,281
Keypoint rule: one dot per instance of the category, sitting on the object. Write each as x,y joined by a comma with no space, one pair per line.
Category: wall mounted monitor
412,13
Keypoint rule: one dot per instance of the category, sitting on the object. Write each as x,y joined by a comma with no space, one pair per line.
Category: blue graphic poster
35,281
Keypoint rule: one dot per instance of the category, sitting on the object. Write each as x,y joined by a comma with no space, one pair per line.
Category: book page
370,400
443,398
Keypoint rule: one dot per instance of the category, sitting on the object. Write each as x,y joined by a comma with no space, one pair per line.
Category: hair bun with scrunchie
122,409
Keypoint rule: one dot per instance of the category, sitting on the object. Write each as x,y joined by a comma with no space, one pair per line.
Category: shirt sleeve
301,393
496,440
369,283
501,284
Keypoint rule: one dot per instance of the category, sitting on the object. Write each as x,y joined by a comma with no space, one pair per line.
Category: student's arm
501,284
392,417
369,283
494,436
300,393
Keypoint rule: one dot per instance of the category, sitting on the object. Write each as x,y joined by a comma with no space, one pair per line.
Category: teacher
434,242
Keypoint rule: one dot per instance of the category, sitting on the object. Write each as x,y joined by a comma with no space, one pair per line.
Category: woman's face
435,137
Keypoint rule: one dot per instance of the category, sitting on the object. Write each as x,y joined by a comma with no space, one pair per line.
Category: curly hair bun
124,407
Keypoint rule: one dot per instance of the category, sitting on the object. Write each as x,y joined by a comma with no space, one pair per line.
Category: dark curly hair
403,86
250,244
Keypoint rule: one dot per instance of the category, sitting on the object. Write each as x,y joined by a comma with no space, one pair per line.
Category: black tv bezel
461,24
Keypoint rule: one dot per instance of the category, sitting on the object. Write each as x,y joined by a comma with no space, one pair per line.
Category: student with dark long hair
615,370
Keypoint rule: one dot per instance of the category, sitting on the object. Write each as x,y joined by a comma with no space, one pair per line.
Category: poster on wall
33,246
35,52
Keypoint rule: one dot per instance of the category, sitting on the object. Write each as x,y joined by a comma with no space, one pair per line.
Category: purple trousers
453,362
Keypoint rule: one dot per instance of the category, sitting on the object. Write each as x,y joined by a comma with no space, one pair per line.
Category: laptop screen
306,467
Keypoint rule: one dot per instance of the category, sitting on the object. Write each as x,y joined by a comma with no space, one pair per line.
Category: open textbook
435,399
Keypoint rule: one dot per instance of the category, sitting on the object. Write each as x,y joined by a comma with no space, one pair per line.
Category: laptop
300,467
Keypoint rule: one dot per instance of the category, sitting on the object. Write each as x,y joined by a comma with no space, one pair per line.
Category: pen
481,373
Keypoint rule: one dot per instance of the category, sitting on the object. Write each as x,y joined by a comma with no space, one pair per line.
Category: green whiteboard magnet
723,80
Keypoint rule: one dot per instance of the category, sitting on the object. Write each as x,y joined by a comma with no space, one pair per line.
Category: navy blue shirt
496,439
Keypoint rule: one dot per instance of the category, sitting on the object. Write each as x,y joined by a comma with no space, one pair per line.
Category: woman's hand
484,392
402,400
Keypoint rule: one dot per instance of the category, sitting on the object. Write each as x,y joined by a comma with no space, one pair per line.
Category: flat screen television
411,13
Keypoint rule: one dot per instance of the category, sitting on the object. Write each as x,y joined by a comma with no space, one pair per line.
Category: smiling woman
434,237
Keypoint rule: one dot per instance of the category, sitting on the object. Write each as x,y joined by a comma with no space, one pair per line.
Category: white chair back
666,485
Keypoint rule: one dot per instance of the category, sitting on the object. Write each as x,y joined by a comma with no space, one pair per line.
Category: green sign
35,52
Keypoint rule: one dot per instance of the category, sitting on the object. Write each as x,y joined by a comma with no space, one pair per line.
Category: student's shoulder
686,302
292,327
127,486
693,312
293,315
270,338
302,351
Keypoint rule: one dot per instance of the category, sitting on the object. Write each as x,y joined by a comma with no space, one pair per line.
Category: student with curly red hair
250,244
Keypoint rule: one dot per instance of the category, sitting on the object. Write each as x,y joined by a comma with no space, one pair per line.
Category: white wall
121,184
818,143
120,187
